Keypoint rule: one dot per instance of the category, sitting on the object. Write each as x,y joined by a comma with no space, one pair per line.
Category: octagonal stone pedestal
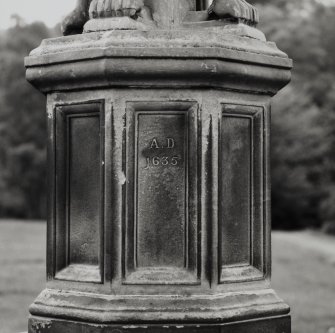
159,196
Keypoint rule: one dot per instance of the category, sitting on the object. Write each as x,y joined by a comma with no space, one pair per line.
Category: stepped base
280,324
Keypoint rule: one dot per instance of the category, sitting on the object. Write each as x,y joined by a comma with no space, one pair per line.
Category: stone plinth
159,191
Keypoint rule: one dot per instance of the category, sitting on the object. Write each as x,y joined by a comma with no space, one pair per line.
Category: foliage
303,162
22,126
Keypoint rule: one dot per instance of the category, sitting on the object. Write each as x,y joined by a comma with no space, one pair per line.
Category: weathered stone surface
118,23
160,307
211,57
74,22
166,13
163,13
158,147
273,325
236,9
112,8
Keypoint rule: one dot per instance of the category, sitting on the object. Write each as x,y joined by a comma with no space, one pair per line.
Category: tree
303,163
22,126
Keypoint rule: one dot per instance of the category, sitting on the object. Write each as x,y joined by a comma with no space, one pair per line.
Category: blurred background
303,159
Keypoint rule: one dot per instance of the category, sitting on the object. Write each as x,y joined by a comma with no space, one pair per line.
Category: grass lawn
22,274
303,275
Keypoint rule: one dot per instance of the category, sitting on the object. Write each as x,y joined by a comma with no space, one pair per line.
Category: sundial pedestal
159,212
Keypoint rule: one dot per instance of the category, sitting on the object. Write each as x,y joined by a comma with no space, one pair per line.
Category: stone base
280,324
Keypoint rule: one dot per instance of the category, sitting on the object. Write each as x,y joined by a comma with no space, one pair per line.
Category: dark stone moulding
273,324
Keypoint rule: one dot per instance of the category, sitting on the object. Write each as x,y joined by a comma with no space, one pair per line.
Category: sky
49,11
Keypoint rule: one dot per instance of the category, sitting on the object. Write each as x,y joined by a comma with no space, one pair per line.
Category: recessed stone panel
241,193
162,222
236,154
161,188
84,189
79,189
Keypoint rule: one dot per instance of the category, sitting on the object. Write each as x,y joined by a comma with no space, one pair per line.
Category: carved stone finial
239,10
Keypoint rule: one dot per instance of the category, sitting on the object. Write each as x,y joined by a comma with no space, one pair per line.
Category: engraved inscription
161,226
170,143
161,189
162,160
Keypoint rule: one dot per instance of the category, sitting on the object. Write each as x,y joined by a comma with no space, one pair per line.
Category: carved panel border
242,181
78,250
146,261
